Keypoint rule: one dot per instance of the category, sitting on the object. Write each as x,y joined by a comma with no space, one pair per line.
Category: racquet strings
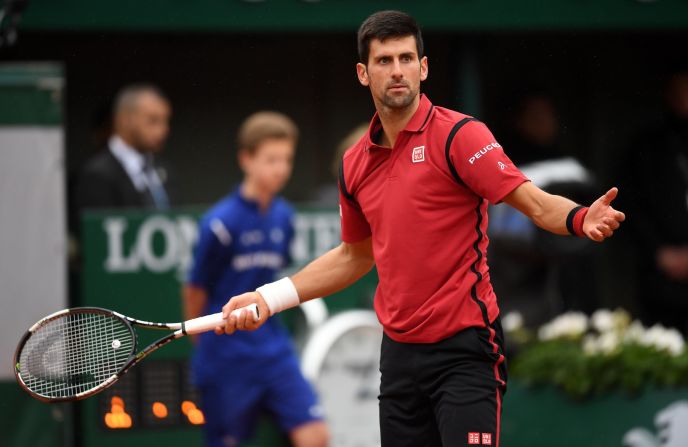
75,353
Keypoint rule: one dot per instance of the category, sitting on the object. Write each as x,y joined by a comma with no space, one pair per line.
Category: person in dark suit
125,173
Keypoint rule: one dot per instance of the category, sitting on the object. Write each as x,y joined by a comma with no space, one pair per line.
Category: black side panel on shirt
474,266
447,148
342,183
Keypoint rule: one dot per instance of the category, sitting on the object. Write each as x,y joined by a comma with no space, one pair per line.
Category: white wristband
279,295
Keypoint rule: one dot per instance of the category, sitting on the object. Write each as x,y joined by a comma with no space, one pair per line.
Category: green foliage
632,367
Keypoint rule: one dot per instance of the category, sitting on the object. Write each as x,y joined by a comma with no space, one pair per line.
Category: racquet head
73,354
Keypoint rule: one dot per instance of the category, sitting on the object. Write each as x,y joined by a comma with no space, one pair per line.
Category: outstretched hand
602,220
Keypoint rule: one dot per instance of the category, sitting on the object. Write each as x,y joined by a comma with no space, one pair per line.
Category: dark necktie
155,187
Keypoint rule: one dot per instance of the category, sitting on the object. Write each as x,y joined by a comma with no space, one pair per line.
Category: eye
384,60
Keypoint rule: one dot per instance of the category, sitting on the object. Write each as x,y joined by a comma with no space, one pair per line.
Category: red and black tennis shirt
424,202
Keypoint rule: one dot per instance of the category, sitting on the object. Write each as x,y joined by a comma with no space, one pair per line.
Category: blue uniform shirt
239,249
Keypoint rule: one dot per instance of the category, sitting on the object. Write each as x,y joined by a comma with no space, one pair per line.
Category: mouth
397,88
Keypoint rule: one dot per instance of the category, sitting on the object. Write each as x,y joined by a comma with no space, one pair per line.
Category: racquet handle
210,322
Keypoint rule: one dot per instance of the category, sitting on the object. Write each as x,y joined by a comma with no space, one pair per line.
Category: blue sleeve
211,254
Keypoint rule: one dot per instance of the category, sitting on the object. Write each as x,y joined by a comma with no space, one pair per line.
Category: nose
396,69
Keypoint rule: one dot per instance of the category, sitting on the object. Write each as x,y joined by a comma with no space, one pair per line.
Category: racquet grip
210,322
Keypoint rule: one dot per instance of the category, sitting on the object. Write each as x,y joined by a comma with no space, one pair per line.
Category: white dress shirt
134,163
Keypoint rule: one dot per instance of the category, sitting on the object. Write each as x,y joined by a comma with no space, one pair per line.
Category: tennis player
244,240
414,192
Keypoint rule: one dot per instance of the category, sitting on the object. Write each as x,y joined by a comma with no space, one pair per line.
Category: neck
395,120
251,191
129,142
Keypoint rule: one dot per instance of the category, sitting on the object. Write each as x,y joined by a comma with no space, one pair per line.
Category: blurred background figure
244,241
538,273
328,193
656,180
125,174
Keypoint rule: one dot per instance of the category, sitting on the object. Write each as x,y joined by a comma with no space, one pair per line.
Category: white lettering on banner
316,233
178,237
483,151
168,258
116,260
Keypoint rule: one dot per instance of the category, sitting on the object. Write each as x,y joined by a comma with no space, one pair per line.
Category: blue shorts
233,404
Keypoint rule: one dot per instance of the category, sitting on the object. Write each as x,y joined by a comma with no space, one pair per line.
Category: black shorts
447,393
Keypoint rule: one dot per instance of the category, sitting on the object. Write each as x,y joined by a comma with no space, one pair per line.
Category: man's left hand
602,220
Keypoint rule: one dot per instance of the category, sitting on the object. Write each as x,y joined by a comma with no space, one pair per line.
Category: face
270,166
147,124
394,72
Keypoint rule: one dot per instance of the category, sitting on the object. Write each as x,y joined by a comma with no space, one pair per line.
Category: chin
396,102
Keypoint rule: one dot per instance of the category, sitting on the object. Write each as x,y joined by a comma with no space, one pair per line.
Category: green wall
338,15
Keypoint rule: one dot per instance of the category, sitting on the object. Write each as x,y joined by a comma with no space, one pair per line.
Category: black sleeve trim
342,183
447,148
570,217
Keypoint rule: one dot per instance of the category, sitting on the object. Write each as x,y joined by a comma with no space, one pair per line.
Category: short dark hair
127,97
383,25
263,126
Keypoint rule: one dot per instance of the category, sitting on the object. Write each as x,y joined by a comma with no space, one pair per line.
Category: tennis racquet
76,353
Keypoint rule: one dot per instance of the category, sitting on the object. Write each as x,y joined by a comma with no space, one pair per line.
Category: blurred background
583,95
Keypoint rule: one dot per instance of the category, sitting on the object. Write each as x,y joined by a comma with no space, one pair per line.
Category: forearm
333,271
547,211
328,274
552,216
193,301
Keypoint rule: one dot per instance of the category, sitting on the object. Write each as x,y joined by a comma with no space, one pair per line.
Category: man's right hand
245,321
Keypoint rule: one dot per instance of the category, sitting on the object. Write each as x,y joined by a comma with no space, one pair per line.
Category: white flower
602,320
635,333
606,343
621,319
570,324
663,339
512,321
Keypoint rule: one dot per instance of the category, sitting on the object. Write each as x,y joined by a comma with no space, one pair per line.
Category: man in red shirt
413,198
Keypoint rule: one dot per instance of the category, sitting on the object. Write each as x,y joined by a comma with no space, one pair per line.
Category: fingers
604,230
245,321
609,196
241,320
613,224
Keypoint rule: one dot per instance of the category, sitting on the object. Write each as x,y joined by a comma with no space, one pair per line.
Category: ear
243,158
362,72
424,68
